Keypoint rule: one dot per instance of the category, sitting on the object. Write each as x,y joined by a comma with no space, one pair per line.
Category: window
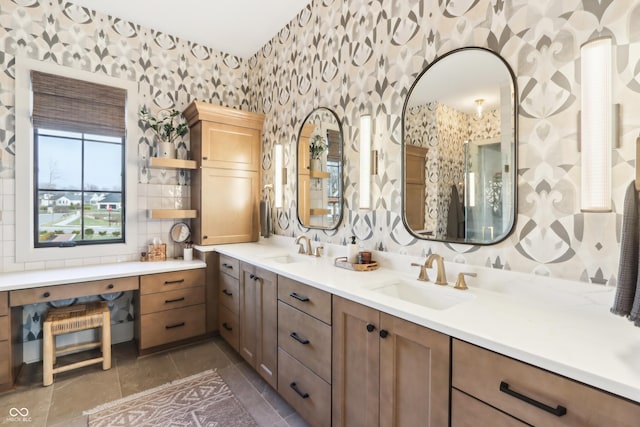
76,164
78,161
79,188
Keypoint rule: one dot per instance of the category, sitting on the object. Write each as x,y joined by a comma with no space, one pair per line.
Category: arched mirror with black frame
459,150
319,170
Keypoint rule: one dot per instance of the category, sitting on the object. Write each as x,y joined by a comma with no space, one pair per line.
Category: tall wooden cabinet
387,371
415,186
225,189
258,320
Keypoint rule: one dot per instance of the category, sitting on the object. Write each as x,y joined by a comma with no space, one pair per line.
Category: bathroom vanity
507,351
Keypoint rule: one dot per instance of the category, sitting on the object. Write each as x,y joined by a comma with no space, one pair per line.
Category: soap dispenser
352,251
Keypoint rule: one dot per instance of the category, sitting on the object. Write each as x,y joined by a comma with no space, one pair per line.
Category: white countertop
559,325
60,276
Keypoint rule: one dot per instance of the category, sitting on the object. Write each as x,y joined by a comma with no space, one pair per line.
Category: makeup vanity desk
170,307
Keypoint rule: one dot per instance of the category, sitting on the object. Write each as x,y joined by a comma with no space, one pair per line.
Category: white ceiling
238,27
458,80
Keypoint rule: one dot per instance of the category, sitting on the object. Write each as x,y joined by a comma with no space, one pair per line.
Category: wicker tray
343,263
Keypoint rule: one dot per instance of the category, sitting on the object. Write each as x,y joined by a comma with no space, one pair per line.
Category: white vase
316,165
166,150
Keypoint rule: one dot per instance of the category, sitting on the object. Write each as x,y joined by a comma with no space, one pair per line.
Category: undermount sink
424,294
289,258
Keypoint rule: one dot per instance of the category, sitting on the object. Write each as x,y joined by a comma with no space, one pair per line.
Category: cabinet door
267,325
248,314
230,147
356,372
228,206
414,374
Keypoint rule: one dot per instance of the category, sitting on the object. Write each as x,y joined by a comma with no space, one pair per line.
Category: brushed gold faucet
441,277
301,247
461,283
423,276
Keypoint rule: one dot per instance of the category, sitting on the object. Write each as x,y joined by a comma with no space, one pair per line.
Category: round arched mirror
460,148
320,170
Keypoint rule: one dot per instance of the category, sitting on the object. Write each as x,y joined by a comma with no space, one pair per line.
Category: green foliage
116,233
317,146
58,232
89,231
168,124
102,233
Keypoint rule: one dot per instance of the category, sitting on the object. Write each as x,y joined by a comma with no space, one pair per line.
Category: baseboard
120,332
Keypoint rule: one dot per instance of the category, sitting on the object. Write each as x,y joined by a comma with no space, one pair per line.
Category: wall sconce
479,103
596,125
365,161
280,175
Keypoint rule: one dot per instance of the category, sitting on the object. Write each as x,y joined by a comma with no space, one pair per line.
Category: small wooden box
157,252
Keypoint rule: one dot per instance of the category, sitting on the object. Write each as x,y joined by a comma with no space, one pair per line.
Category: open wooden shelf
319,211
172,213
162,162
319,174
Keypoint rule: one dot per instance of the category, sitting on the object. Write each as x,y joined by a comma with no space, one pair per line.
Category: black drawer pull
227,327
177,325
227,293
46,295
173,282
383,333
297,338
370,327
169,301
110,286
295,388
229,266
205,158
251,276
557,411
298,297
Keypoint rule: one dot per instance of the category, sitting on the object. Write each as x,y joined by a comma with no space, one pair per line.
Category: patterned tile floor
62,403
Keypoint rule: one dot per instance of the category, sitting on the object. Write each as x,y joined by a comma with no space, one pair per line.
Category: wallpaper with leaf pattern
357,56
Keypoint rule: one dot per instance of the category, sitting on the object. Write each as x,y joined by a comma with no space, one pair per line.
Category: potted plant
316,148
167,124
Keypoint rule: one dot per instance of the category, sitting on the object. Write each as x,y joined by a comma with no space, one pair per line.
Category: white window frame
24,161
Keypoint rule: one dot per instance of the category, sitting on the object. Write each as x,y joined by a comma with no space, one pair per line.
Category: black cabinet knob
110,286
383,333
370,328
46,295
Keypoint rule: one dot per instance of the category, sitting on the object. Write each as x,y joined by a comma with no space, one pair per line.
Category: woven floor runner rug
203,399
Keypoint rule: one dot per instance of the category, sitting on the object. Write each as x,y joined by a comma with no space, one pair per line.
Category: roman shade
66,104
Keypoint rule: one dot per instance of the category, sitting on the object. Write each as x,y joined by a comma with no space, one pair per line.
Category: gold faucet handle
461,283
423,276
301,249
317,252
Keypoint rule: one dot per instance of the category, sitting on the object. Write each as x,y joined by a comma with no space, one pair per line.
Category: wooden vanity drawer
160,301
230,266
72,290
229,327
4,303
467,411
480,373
229,293
5,328
305,338
305,298
172,325
315,408
163,282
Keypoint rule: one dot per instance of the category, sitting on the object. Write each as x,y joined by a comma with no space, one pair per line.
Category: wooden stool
72,319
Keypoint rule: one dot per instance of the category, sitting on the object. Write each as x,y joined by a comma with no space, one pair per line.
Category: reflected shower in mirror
320,170
459,149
